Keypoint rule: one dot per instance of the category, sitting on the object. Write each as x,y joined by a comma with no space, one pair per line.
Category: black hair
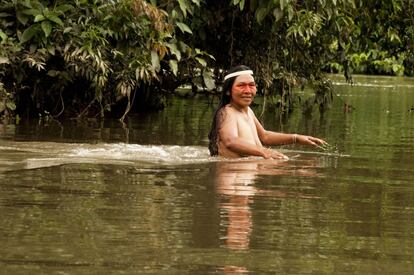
218,114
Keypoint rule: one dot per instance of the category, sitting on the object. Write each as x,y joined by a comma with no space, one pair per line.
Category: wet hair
213,136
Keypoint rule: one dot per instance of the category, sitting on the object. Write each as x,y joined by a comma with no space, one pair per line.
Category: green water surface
146,198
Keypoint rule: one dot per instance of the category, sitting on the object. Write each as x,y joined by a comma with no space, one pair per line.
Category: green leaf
197,2
283,4
396,67
46,27
4,14
201,61
137,73
3,36
27,4
200,52
174,50
208,80
155,61
291,13
261,14
184,28
4,60
173,66
39,17
55,19
52,73
33,12
23,18
29,33
184,47
11,105
63,8
2,106
183,7
278,14
174,14
241,4
68,29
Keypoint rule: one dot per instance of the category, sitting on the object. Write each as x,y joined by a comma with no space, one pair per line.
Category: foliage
292,43
92,53
6,101
88,57
287,43
381,39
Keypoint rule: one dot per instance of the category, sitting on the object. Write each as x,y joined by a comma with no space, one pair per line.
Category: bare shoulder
226,115
251,112
228,111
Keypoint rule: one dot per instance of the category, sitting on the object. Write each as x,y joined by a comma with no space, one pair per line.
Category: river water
145,197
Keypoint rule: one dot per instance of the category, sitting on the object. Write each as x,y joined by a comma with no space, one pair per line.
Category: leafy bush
90,57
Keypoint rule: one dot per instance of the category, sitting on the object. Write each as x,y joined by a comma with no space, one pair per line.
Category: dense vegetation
88,58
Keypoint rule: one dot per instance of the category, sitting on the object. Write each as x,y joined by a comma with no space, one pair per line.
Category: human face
243,90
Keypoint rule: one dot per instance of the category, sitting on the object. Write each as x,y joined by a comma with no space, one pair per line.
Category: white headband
238,73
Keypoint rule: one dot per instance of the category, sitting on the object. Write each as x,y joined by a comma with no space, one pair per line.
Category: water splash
31,155
150,153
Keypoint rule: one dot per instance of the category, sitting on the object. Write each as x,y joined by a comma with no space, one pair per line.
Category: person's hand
273,154
309,140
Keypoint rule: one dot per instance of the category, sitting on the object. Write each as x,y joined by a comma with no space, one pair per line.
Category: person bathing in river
235,130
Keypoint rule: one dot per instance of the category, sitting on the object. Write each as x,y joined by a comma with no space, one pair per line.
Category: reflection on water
144,198
235,184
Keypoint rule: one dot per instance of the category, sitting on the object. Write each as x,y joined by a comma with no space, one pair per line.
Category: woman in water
236,132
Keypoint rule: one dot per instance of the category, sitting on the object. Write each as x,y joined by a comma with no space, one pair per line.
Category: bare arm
274,138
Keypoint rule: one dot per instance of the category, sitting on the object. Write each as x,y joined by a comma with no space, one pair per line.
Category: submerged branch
128,108
63,106
81,114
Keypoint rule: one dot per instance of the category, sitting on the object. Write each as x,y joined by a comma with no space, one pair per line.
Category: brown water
145,197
